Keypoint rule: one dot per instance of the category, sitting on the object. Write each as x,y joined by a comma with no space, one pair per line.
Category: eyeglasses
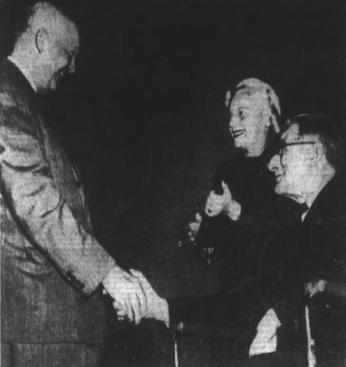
282,147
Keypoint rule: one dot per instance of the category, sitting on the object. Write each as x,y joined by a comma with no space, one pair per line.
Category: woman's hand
193,228
217,204
156,307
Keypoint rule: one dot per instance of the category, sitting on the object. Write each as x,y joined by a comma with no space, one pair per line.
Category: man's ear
41,38
319,151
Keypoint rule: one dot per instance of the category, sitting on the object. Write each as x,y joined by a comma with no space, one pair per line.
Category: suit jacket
323,243
51,264
307,251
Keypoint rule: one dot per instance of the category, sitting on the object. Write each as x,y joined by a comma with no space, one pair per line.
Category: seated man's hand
193,228
224,203
156,307
127,294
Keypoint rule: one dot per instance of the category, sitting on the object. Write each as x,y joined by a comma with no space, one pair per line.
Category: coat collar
23,70
330,200
15,74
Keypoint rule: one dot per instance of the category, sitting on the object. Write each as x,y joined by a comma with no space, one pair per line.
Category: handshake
133,297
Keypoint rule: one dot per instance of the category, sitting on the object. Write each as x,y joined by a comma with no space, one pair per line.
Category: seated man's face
249,122
292,164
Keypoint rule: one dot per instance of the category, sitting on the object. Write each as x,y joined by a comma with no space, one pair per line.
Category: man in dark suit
310,169
308,257
50,260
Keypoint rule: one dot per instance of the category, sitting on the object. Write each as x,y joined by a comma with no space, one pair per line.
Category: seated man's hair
325,128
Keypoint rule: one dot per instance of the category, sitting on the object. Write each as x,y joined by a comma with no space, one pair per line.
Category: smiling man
51,264
309,168
56,42
301,167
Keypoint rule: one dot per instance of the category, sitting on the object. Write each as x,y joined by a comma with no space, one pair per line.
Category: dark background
144,114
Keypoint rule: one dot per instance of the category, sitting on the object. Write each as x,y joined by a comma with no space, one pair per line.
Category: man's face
249,122
292,164
61,55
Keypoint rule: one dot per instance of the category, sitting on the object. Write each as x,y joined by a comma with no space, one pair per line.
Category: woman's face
249,122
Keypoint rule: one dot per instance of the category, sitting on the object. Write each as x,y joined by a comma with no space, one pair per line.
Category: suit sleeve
37,205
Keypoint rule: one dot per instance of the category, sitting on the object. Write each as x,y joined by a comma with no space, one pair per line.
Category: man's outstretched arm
35,203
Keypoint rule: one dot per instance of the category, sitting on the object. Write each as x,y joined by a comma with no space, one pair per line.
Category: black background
144,114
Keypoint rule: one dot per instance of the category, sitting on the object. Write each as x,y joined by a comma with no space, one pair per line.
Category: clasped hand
215,205
134,298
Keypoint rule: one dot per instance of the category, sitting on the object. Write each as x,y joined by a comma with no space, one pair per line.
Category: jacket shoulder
17,102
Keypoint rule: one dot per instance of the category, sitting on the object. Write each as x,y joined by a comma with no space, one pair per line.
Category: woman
246,211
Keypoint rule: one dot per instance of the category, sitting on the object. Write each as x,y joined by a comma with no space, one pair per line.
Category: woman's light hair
253,86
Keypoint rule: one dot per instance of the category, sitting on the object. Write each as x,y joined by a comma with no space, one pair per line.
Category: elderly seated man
302,271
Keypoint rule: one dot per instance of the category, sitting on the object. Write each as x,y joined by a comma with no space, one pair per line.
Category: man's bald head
47,45
54,21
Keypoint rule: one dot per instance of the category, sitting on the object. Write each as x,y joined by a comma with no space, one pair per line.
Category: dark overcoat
312,249
324,257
